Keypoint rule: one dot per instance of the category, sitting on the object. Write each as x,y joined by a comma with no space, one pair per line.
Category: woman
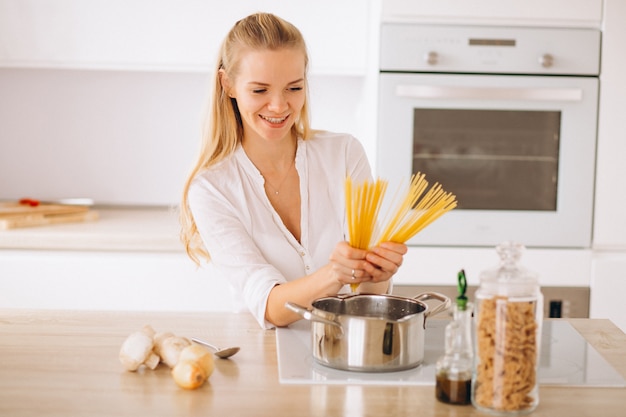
265,200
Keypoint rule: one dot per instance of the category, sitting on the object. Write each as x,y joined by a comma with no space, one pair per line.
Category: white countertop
140,229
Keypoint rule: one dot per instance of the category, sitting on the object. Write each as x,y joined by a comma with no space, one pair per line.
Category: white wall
121,137
118,137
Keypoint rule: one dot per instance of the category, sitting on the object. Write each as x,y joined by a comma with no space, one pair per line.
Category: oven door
517,151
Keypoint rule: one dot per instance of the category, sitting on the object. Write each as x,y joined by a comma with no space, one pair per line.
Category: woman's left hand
384,260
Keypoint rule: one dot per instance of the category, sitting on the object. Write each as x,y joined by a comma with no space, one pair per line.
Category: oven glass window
490,159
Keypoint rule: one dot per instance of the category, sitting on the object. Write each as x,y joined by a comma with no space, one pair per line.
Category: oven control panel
489,49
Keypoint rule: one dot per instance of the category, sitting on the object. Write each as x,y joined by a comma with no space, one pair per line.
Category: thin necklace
276,190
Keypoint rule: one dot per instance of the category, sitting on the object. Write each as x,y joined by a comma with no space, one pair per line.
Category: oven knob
431,57
546,60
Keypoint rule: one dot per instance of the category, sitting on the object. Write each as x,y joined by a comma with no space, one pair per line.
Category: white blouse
248,243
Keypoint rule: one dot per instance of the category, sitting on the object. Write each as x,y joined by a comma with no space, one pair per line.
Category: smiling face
270,89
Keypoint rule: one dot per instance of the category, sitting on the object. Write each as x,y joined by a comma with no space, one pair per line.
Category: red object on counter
29,202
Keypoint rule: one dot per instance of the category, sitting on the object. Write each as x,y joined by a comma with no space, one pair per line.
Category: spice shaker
454,368
508,319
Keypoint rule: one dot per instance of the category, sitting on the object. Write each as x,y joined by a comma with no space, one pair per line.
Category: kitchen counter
63,363
119,229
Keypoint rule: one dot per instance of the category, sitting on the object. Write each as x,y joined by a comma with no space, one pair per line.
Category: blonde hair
222,128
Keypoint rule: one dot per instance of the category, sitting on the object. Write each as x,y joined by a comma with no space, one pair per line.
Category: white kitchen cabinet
126,260
575,13
608,286
109,280
169,34
610,217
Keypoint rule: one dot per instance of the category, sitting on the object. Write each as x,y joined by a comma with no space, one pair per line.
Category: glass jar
508,319
454,368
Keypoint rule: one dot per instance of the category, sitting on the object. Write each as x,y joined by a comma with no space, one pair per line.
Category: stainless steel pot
368,332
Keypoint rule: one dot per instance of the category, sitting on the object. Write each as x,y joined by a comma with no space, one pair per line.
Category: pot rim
445,304
344,297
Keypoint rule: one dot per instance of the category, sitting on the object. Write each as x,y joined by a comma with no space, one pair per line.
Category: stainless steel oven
505,118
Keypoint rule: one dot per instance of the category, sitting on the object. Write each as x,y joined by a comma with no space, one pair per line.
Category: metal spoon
222,353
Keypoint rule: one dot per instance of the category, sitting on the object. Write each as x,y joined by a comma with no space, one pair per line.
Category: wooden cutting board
14,215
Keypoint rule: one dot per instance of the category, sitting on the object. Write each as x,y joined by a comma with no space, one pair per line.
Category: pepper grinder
454,368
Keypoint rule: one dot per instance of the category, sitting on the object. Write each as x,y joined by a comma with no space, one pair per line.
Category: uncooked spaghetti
403,220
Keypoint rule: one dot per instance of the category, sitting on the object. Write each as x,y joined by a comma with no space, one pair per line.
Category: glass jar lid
509,278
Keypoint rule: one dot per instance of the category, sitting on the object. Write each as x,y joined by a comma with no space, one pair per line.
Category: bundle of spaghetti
413,214
363,204
403,220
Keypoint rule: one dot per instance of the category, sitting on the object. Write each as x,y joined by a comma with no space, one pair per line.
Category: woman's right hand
348,264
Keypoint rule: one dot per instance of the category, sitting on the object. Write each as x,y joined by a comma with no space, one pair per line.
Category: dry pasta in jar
508,318
506,349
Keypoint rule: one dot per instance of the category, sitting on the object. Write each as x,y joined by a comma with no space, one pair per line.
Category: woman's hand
354,266
384,260
347,265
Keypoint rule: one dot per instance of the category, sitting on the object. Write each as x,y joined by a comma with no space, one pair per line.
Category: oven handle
489,93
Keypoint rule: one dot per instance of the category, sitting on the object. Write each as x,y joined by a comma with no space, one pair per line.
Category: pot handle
309,315
445,302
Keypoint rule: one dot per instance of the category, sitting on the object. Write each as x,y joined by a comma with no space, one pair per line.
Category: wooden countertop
65,363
